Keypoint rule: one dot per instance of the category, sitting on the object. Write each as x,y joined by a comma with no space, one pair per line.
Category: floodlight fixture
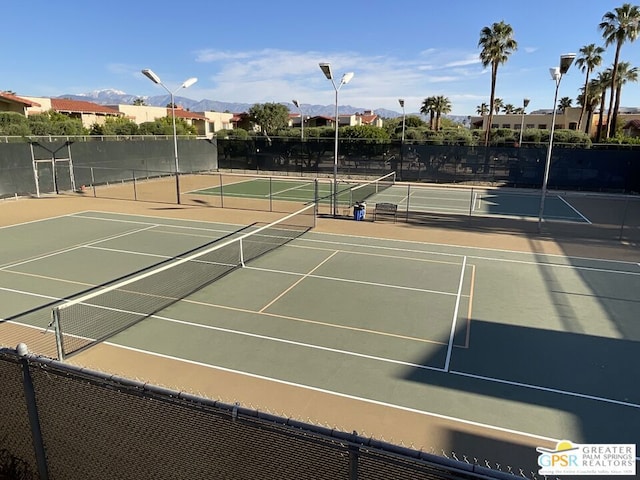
525,103
346,78
152,76
186,84
326,69
566,61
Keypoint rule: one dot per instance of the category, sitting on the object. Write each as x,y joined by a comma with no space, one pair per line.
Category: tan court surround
390,423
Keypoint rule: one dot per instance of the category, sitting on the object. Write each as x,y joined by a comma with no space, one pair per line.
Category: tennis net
361,192
98,314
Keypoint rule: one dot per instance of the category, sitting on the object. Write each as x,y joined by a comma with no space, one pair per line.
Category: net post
241,253
55,316
135,189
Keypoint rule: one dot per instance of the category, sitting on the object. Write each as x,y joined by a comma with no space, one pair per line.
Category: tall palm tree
564,102
625,74
618,27
482,109
498,104
428,108
590,101
589,57
442,106
497,44
601,85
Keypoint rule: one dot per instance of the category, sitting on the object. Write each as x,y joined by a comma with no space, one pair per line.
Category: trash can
358,212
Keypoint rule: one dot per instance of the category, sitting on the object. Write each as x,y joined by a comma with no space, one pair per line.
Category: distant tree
482,109
115,126
428,108
601,85
139,102
164,126
509,108
498,104
619,26
589,57
364,131
412,121
626,73
442,106
564,102
55,123
14,124
269,116
590,102
497,44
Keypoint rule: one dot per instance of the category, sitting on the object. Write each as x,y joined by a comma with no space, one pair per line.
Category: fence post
32,410
354,455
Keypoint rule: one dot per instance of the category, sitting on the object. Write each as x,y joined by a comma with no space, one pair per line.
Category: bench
386,209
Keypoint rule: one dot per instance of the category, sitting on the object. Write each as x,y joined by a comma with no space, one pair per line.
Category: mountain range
115,97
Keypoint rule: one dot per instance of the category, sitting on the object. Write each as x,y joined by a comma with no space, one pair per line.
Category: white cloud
257,76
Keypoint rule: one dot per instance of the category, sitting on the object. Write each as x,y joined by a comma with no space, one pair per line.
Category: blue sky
268,51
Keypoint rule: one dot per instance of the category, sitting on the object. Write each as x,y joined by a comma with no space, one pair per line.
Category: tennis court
500,202
299,190
538,345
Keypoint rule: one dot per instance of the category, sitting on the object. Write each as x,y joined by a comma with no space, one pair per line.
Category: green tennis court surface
478,201
346,192
539,344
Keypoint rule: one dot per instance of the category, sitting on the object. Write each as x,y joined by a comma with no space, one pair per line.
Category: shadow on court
589,378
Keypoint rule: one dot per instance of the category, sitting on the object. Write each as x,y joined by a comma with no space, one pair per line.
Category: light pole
556,76
525,103
401,102
186,84
297,104
346,78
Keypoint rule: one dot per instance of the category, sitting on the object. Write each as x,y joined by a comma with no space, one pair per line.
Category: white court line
547,389
75,247
70,215
338,394
297,187
455,317
288,342
572,208
459,247
476,197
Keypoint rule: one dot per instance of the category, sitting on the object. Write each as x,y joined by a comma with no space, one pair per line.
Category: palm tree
509,108
589,101
564,102
590,57
442,106
428,108
601,85
625,74
619,26
498,104
482,109
139,102
497,44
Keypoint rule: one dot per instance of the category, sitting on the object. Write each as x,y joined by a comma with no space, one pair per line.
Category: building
567,118
89,113
12,103
206,123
